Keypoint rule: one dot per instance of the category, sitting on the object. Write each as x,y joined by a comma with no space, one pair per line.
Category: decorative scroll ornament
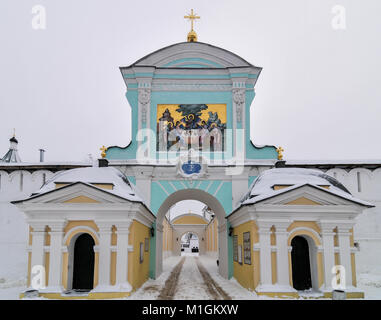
144,99
239,100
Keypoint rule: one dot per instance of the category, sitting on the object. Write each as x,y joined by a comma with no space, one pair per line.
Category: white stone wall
13,228
366,185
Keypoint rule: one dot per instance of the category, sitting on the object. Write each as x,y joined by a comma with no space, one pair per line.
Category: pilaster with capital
344,235
264,233
55,257
38,241
122,231
283,276
327,236
105,233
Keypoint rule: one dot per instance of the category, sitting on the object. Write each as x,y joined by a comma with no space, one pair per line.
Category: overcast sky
318,95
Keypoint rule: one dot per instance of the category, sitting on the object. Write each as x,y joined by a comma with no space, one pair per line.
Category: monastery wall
365,184
13,227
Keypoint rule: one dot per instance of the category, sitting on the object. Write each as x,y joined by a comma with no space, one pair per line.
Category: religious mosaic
191,126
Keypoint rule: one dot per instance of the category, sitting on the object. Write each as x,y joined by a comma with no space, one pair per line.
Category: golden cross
280,155
192,17
103,149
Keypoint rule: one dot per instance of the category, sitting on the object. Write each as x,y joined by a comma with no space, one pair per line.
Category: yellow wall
303,201
81,199
138,272
211,233
167,236
189,220
244,273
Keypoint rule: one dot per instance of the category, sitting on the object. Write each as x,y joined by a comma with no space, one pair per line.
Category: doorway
301,265
83,264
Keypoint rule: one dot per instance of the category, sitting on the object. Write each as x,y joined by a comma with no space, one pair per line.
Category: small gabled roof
341,195
91,177
292,179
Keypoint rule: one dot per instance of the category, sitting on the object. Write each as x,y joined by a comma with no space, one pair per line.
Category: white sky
318,95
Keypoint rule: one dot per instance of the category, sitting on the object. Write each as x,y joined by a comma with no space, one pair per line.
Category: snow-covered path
191,284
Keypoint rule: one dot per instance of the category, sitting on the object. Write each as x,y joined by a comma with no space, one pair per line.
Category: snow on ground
191,284
371,285
150,290
231,287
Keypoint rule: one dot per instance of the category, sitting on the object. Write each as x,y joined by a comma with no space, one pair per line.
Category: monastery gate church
277,227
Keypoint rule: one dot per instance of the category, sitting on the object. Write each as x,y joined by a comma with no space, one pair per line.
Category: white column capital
123,227
57,226
104,226
38,226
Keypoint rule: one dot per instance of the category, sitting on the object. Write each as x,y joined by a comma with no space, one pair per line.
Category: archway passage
301,266
190,244
83,271
221,236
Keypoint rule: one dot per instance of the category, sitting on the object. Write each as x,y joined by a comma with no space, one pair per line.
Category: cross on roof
192,17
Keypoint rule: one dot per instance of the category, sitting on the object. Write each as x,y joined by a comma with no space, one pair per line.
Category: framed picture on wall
146,244
235,248
246,248
239,254
141,257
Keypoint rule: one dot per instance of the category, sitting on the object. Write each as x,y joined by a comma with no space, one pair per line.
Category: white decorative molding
73,230
239,102
144,97
306,229
191,87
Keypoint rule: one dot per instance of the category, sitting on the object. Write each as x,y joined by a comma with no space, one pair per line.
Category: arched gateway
190,118
214,205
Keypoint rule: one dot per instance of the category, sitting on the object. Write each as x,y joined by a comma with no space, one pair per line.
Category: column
104,255
328,253
122,231
55,257
265,253
283,276
159,249
223,266
38,255
345,253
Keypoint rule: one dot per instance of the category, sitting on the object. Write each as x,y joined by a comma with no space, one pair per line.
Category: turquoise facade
216,73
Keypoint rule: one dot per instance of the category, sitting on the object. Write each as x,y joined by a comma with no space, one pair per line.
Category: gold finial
103,149
280,155
192,35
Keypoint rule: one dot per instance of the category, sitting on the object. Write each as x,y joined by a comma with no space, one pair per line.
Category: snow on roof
93,176
292,178
334,162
